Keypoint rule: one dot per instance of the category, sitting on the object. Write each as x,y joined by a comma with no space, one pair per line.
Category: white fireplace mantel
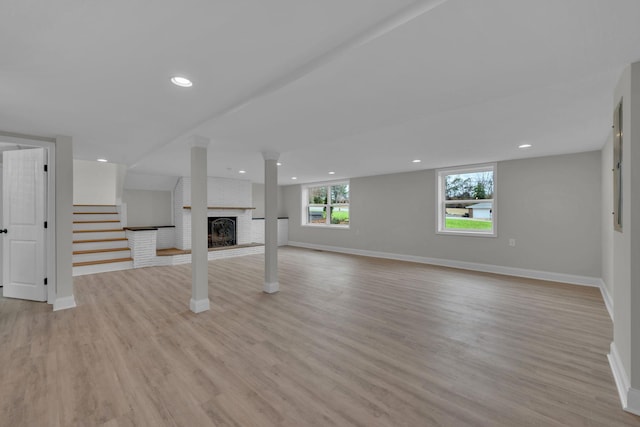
241,208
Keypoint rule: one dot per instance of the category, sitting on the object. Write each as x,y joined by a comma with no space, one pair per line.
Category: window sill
466,234
333,227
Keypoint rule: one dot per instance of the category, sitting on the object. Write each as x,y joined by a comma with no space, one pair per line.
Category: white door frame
50,232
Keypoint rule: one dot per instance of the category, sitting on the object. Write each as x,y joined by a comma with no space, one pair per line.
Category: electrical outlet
512,242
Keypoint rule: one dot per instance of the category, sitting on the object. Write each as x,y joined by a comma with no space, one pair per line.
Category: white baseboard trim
198,306
633,401
64,303
629,397
619,374
271,287
486,268
606,296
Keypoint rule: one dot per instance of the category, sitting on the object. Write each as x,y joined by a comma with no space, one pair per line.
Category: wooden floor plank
348,341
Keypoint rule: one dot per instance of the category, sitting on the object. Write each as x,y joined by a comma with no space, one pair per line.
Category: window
326,205
466,201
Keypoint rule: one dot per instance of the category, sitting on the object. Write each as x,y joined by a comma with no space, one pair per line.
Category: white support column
199,251
64,223
270,222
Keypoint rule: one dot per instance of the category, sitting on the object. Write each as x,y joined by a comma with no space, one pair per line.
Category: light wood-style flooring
348,341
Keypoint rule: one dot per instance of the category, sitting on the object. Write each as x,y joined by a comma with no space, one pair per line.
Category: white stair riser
95,217
99,245
101,256
99,235
81,208
101,268
96,225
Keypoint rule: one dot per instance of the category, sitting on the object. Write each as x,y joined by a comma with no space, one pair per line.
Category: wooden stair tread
111,230
100,240
98,251
95,213
104,261
96,222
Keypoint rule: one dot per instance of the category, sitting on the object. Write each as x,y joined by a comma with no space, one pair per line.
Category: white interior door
1,260
23,203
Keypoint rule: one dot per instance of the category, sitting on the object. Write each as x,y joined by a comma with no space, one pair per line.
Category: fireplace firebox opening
222,231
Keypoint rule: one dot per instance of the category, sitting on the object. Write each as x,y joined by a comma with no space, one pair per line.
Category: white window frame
328,205
441,201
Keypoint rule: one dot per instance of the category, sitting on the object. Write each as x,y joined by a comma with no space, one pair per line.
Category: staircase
99,242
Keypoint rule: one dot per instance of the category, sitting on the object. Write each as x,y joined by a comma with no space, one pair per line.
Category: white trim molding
619,373
271,288
629,397
328,205
198,306
464,265
606,296
441,201
64,303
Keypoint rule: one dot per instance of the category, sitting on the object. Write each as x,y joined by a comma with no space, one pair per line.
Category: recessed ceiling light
242,171
416,161
524,146
294,177
278,164
102,160
332,173
181,81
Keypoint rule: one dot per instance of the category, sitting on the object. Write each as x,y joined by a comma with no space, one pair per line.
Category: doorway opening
27,218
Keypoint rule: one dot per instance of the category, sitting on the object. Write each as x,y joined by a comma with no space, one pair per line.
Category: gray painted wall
95,183
140,181
148,207
550,205
621,241
258,201
633,219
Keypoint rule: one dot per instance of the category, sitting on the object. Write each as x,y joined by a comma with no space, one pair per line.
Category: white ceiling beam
371,33
374,31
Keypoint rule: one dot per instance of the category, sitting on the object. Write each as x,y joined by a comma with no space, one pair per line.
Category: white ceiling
360,87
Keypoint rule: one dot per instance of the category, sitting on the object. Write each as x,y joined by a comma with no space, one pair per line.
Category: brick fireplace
226,198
